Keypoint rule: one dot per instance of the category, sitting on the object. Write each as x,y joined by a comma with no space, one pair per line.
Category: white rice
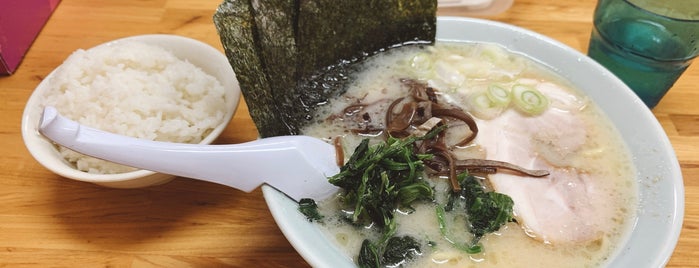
137,90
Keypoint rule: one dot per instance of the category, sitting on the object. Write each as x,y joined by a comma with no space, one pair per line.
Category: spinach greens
487,211
378,179
309,208
394,252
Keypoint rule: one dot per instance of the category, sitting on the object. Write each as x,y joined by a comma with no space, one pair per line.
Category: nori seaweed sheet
292,55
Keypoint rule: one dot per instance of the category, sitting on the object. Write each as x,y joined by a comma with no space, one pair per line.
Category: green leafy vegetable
400,249
397,250
444,231
377,179
368,255
487,211
309,208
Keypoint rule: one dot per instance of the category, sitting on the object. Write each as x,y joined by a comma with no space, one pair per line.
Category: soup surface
577,216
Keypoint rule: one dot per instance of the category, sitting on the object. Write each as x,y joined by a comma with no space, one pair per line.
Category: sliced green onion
494,53
529,100
422,63
483,107
449,74
499,95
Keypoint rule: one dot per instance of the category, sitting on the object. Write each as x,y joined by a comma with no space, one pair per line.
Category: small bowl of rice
156,87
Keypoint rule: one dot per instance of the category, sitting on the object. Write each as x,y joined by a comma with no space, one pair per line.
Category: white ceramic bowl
206,57
661,208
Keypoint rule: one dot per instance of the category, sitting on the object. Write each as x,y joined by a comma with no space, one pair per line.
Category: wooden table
49,221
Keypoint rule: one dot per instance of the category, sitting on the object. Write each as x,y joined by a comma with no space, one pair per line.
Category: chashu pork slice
564,207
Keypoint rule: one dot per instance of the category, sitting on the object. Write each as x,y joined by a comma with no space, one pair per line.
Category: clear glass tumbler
646,43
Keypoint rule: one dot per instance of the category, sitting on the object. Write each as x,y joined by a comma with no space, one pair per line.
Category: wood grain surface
50,221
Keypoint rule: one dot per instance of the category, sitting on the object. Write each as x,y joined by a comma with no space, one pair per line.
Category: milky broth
604,155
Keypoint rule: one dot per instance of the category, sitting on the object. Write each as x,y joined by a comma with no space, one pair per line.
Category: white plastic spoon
295,165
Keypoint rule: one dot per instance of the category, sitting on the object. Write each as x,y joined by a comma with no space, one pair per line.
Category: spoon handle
296,165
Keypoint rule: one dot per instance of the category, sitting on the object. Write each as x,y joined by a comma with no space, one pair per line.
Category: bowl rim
449,28
36,144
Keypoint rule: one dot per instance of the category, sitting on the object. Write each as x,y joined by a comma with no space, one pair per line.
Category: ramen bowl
201,55
655,231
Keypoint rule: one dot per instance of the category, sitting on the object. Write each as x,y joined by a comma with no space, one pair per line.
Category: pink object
20,23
